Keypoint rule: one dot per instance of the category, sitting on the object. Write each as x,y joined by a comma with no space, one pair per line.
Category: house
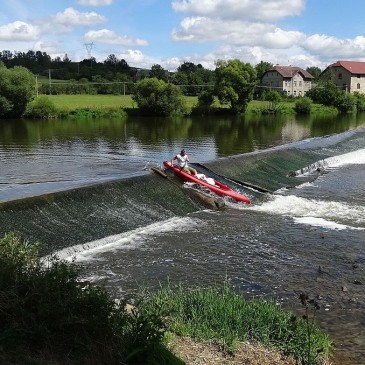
288,79
347,75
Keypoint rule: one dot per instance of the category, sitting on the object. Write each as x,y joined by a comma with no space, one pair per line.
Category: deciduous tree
16,91
235,83
156,97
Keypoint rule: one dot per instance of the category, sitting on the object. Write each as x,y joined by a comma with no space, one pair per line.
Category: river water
305,238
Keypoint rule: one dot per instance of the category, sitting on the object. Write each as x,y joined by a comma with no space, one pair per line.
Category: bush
41,108
156,97
16,91
303,106
205,99
45,310
360,101
345,103
273,95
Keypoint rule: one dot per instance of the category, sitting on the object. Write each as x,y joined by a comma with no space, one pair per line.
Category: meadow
72,102
111,103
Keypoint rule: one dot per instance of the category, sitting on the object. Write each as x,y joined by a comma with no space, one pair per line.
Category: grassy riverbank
49,316
113,105
73,102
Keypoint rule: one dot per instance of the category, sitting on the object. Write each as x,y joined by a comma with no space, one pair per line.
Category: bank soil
203,353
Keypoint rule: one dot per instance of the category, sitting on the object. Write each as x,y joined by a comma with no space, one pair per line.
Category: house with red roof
288,79
347,75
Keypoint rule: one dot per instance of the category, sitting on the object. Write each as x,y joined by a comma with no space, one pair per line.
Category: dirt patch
203,353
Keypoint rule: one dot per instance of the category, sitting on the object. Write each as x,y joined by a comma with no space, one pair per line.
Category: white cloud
252,10
95,2
50,48
70,17
199,29
19,31
135,58
109,37
323,45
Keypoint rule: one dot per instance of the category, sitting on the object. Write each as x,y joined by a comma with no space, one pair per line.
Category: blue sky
169,32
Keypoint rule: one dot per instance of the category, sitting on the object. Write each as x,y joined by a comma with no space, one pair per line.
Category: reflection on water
231,134
54,155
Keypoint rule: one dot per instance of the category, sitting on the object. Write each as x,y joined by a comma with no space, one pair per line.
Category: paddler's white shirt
182,160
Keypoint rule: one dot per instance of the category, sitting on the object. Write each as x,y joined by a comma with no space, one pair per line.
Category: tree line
113,75
156,91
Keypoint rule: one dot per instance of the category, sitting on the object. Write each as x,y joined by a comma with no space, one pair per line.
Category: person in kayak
182,161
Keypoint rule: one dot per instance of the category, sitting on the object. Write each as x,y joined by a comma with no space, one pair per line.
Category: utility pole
49,82
36,85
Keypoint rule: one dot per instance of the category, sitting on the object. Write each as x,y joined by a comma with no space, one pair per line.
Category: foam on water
320,222
351,158
126,240
355,157
328,214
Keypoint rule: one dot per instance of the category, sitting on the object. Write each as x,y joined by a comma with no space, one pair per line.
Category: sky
301,33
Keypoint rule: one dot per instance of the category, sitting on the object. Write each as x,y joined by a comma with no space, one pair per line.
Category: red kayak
208,182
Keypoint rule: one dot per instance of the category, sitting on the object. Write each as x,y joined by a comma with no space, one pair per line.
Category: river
84,189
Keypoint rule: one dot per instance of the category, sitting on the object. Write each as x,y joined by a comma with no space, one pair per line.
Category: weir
268,170
81,215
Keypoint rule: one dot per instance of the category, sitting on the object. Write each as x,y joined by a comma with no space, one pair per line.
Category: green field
72,102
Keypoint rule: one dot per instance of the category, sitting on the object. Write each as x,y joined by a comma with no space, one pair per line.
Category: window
340,76
358,86
300,83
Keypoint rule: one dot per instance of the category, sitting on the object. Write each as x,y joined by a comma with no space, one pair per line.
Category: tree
188,67
324,93
235,83
16,91
314,71
156,97
158,72
327,93
261,68
111,60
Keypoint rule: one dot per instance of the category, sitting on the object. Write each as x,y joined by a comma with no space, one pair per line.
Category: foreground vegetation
49,316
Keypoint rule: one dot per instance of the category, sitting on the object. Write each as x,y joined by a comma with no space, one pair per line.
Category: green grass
222,315
72,102
67,103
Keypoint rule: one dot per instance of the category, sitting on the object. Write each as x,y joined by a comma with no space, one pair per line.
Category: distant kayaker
182,161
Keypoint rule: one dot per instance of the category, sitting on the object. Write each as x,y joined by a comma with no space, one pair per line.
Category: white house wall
296,86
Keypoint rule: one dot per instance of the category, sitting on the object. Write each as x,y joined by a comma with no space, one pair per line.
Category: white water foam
327,214
351,158
355,157
320,222
126,240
